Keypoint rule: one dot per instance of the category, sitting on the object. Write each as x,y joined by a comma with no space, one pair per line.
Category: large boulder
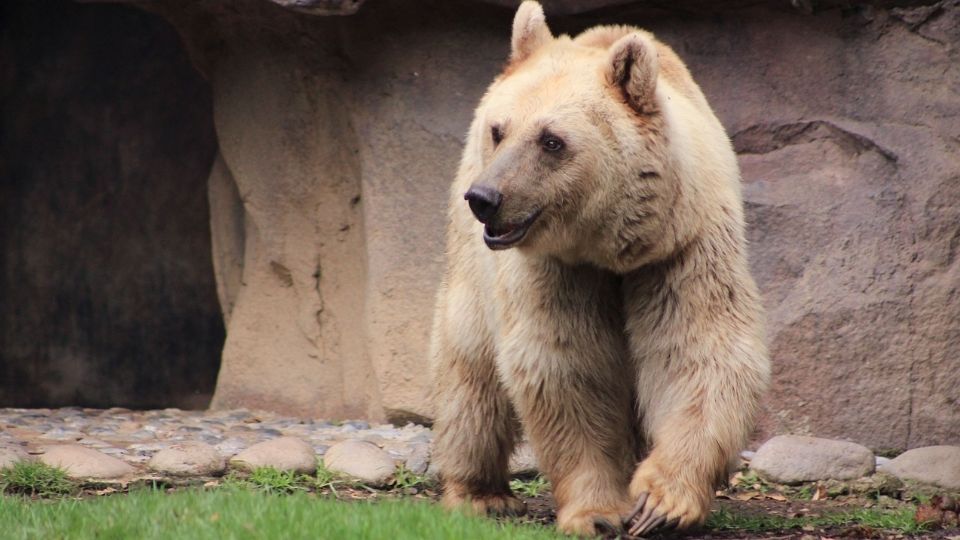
789,459
937,465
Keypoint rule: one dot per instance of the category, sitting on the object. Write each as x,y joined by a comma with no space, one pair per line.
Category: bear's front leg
475,425
696,342
562,359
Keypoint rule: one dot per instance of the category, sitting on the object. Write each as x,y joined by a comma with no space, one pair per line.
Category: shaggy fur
624,326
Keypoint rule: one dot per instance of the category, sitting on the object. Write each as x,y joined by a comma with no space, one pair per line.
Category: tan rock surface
340,136
360,459
283,453
82,463
188,459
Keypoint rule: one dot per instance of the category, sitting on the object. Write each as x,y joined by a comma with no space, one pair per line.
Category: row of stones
120,443
359,459
791,459
115,443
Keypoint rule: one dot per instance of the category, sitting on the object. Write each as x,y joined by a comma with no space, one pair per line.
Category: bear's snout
484,202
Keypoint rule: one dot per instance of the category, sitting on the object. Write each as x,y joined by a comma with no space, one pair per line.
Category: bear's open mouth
506,235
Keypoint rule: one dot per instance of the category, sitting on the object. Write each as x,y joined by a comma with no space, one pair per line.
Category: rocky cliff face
338,137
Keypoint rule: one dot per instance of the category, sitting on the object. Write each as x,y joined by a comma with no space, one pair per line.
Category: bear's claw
644,518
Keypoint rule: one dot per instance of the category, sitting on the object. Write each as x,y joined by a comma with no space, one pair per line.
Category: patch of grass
405,479
900,520
244,514
270,480
34,478
748,480
530,488
806,491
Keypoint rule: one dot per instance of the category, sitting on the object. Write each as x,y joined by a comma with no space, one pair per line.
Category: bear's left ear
530,31
633,66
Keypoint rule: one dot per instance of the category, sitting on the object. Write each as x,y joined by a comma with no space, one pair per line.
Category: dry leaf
776,497
819,494
746,495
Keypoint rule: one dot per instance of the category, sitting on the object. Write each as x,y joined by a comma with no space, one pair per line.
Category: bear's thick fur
623,325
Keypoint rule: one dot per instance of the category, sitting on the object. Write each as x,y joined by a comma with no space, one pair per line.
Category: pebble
362,460
419,459
189,459
285,454
790,459
937,465
81,462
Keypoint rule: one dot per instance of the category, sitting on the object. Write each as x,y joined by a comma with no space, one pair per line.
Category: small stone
231,446
285,454
360,459
937,465
81,462
12,454
419,459
790,459
523,462
189,459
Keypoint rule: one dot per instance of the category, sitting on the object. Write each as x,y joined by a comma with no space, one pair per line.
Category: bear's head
582,149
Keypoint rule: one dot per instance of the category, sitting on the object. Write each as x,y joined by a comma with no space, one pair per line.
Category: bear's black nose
484,201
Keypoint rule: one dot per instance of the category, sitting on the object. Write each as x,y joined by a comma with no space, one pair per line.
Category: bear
596,294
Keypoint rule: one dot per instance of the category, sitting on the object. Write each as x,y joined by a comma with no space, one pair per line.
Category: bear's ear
530,31
633,66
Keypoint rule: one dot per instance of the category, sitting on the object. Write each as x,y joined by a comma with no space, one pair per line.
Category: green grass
33,478
270,480
239,514
406,479
530,488
900,520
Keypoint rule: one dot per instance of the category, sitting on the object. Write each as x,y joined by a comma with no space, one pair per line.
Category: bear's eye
551,143
496,134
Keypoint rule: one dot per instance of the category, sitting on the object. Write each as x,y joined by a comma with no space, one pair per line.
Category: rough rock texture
12,454
283,453
791,459
939,465
362,460
107,295
189,459
845,121
82,463
339,136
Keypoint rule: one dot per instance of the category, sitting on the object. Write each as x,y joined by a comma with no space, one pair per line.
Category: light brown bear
597,292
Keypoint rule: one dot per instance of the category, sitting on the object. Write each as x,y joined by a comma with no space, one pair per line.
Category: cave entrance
107,292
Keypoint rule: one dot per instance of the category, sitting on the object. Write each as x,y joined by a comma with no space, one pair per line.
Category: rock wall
844,119
107,294
339,136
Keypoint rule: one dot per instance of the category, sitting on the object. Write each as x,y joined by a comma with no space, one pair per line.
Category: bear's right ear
633,66
530,31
